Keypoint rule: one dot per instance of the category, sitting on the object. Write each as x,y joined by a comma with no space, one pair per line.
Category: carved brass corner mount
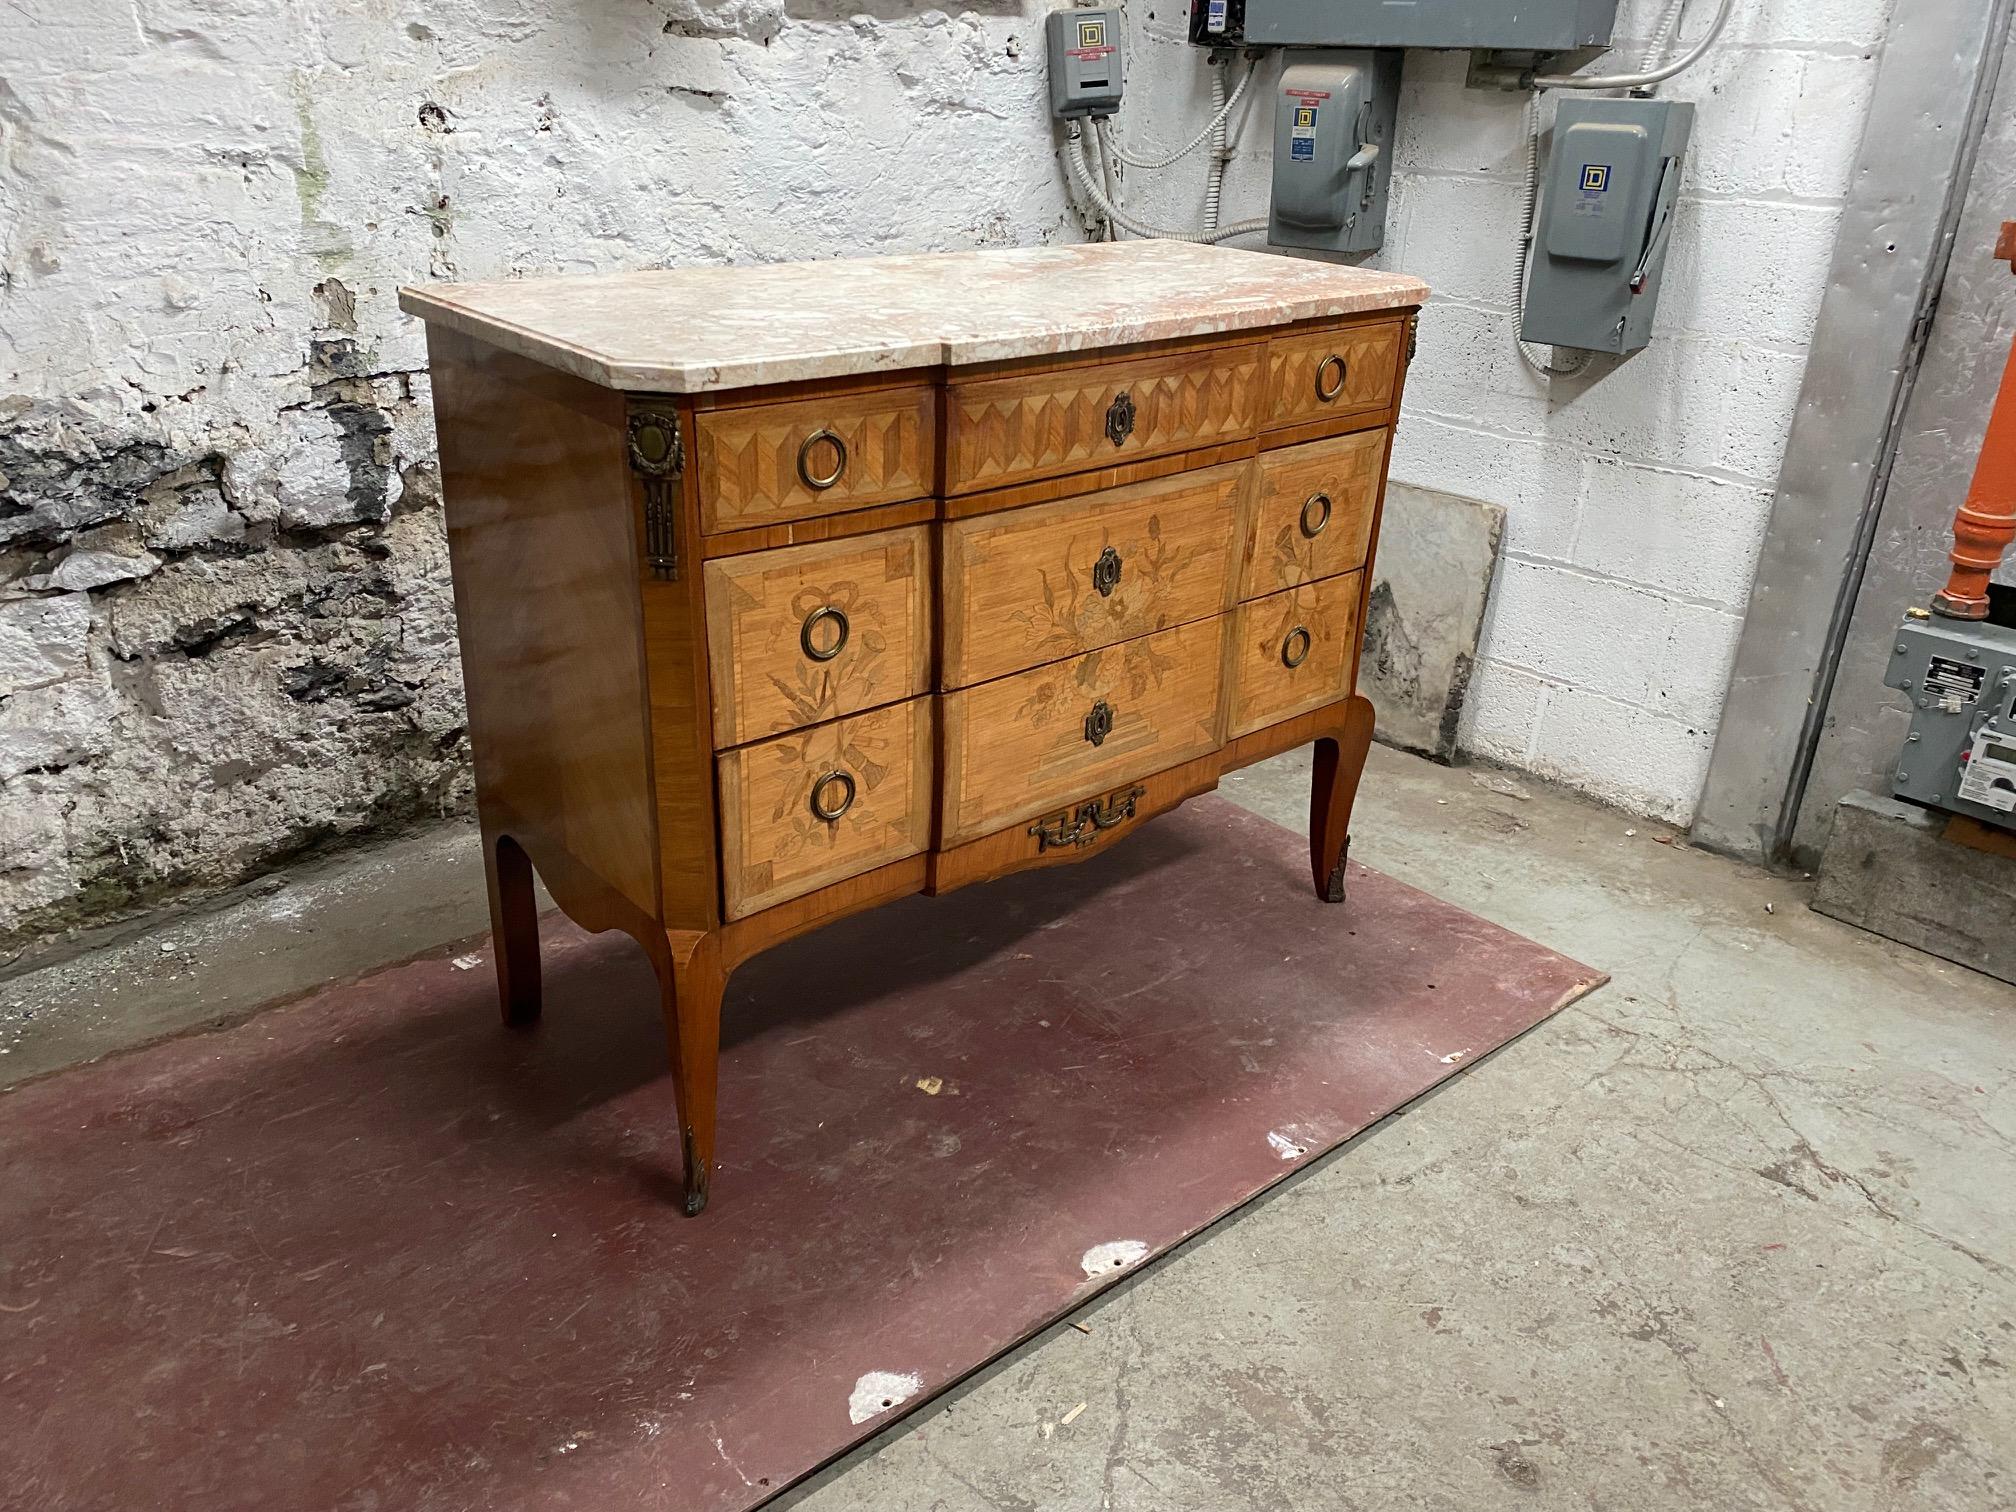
1079,827
659,457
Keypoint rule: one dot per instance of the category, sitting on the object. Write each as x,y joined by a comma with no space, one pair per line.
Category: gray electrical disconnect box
1084,62
1514,25
1334,116
1606,219
1961,753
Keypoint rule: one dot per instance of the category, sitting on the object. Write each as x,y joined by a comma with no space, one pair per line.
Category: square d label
1595,177
1091,33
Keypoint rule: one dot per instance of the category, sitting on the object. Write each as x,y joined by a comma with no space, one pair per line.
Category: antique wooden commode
786,591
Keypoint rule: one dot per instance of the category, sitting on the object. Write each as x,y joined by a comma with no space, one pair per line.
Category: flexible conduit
1074,157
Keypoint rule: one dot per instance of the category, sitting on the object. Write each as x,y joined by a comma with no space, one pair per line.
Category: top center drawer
1060,418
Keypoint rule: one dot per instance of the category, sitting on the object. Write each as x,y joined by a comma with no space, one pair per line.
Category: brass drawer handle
1120,417
831,811
1315,500
1106,572
1328,391
812,622
1099,723
821,480
1295,649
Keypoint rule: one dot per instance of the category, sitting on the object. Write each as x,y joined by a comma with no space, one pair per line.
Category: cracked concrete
1733,1233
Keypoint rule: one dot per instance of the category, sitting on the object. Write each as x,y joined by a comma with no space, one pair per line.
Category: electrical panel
1334,115
1513,25
1606,219
1961,753
1084,62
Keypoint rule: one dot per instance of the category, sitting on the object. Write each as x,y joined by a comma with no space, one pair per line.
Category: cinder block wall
225,626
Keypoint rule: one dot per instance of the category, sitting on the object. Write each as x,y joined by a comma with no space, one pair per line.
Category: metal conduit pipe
1631,81
1074,158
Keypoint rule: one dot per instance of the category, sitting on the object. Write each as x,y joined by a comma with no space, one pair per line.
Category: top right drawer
1322,375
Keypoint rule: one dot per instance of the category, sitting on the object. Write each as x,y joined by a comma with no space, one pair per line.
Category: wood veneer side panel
543,556
680,700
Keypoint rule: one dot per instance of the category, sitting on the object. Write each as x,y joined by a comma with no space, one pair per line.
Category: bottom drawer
1293,652
1021,745
821,805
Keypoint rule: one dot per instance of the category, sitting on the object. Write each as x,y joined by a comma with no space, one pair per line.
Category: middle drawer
1035,585
807,633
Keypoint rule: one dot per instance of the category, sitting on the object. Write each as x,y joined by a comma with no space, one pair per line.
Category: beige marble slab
686,330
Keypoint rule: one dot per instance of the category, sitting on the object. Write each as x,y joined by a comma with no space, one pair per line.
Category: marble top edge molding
691,330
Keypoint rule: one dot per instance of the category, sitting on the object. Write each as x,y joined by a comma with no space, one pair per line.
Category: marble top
686,330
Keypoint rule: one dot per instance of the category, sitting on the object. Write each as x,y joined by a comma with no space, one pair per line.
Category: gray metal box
1535,25
1961,753
1606,220
1334,115
1084,47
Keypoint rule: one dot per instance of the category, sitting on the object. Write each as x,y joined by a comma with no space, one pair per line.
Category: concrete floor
1735,1232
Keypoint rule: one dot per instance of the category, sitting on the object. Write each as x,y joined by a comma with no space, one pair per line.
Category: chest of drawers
787,591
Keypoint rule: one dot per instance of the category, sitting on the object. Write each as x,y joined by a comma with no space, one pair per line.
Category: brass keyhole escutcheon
828,809
1295,649
1120,418
1317,504
1099,723
1106,572
821,480
1327,388
809,638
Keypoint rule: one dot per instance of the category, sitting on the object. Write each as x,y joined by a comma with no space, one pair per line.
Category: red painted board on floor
373,1250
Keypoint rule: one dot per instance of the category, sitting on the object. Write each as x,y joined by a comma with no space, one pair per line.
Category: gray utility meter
1084,50
1334,116
1961,753
1606,219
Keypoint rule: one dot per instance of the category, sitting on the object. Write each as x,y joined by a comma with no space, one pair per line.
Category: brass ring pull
812,622
1106,572
1328,391
1295,649
1315,501
1099,723
828,812
821,480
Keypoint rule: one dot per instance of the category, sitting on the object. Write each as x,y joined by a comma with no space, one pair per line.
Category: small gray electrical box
1514,25
1606,219
1334,116
1084,62
1961,753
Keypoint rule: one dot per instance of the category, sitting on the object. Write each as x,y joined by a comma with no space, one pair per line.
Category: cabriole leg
514,927
1340,762
691,981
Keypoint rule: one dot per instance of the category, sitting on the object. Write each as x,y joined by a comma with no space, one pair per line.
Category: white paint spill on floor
1114,1254
466,963
1285,1147
879,1390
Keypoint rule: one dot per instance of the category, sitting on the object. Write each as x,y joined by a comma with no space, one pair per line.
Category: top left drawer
759,464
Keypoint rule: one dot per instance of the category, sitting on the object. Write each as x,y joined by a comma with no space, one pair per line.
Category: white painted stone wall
1636,496
225,629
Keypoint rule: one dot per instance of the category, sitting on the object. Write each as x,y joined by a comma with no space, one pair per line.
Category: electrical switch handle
1366,155
1661,231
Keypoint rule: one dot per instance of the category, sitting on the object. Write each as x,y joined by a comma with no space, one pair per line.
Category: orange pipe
1986,523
